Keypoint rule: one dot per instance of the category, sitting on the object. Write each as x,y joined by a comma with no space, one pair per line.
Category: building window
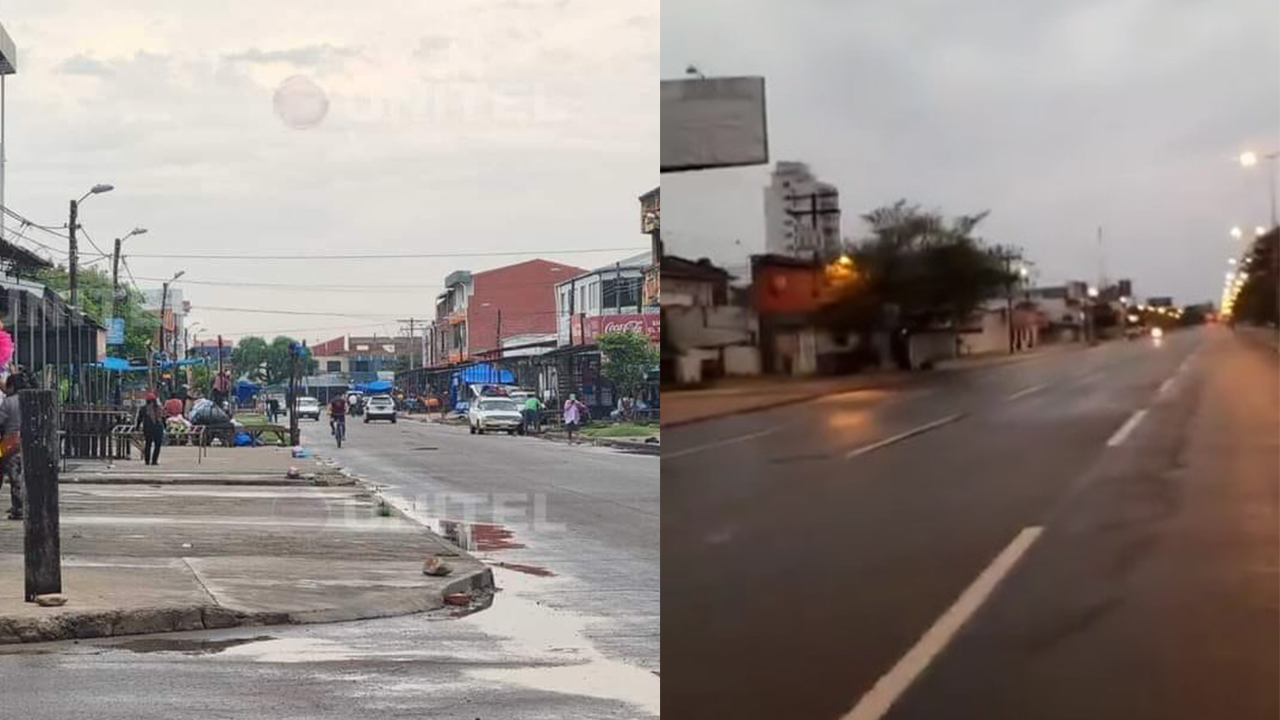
334,366
360,366
622,292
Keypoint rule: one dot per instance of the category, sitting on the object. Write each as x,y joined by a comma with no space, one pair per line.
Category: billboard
713,123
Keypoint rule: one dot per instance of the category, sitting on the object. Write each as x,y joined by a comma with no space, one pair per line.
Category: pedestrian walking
11,444
574,415
532,415
151,422
273,410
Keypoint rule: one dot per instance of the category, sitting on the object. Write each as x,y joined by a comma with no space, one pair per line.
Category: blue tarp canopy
245,391
122,365
485,373
377,386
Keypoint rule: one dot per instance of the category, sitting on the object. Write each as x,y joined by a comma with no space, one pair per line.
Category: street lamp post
73,281
1250,158
115,272
164,301
72,248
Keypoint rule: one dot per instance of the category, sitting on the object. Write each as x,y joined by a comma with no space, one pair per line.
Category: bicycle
339,428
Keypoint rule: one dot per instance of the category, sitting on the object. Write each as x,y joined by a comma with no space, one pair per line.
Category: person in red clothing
173,407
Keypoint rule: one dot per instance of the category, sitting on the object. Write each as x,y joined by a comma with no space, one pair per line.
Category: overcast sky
451,127
1057,116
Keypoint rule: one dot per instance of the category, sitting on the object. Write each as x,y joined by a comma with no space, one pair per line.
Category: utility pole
413,323
164,301
498,339
72,256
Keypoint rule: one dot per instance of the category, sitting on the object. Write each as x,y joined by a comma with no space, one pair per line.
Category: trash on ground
436,567
51,600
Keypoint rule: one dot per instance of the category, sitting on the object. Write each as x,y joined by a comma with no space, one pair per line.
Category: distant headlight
1157,332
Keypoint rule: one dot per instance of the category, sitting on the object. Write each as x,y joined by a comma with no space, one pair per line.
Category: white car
495,414
309,407
380,407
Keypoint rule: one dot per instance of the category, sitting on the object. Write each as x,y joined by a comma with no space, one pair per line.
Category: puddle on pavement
482,537
546,637
189,646
534,570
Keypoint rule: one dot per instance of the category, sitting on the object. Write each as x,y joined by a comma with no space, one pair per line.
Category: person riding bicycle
337,414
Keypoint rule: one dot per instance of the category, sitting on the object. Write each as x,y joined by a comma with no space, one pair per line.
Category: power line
393,256
292,312
380,287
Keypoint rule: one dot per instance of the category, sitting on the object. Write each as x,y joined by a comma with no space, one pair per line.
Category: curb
148,621
641,448
887,381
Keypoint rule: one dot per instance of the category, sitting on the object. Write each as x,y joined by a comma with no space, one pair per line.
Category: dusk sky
1058,117
467,127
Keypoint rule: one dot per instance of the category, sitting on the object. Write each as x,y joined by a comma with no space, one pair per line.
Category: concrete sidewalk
158,556
265,465
743,395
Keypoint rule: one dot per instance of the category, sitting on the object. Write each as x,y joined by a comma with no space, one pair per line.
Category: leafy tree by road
140,326
267,363
931,270
628,358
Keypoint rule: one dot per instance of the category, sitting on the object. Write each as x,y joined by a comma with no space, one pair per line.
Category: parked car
495,413
309,407
380,407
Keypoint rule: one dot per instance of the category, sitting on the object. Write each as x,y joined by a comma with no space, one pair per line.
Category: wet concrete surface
573,630
875,545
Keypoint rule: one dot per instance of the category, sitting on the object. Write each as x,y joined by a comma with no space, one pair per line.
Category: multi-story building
496,313
172,324
802,214
607,298
448,334
650,223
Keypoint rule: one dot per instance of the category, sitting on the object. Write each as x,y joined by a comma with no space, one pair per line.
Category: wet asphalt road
807,564
573,633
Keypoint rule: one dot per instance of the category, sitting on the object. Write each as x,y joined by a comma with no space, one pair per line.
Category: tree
628,358
269,364
140,325
931,271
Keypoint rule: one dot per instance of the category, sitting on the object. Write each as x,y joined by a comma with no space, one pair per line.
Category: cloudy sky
478,126
1058,116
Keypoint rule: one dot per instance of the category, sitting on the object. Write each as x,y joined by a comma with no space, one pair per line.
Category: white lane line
901,436
1126,428
1027,391
1165,386
877,701
719,443
1089,377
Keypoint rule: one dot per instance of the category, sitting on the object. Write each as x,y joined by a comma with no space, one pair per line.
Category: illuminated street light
1236,232
1248,158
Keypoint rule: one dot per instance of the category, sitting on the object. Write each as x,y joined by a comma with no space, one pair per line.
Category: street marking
1028,391
1090,377
880,698
1165,386
901,436
1126,428
1186,364
720,443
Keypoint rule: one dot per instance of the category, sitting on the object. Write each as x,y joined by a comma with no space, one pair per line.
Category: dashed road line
902,436
1027,391
1128,426
881,697
717,444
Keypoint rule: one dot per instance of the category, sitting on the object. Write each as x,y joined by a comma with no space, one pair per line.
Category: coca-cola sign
650,325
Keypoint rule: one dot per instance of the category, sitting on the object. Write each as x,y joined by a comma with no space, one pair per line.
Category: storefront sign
650,325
